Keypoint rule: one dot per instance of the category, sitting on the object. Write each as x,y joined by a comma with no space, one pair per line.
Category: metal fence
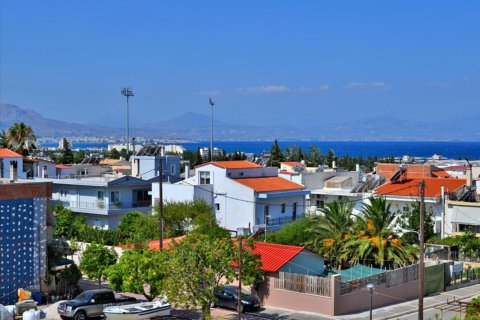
402,275
358,284
319,286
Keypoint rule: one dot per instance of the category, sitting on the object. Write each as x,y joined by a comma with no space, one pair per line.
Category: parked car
227,297
90,303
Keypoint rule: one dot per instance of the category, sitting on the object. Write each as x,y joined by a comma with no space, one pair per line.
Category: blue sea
448,149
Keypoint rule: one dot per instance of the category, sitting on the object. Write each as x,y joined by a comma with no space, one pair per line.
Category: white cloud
210,92
441,85
272,89
265,89
368,85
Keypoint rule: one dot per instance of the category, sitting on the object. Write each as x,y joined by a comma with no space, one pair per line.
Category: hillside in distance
195,126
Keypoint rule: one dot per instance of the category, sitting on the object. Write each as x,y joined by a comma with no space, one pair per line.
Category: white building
244,194
11,165
103,200
402,193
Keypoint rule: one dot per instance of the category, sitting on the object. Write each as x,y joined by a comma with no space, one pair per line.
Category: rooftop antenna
127,92
210,101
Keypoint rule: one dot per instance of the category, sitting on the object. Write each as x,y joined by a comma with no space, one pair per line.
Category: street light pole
211,130
370,288
239,295
127,92
160,204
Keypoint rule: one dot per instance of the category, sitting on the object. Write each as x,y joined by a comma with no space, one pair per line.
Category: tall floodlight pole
211,130
127,92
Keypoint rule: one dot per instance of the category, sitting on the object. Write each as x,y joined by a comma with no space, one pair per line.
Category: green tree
374,241
95,261
3,139
199,264
127,225
276,155
179,217
21,138
314,157
329,232
78,156
330,157
410,220
473,309
139,271
70,276
64,222
291,234
66,154
114,154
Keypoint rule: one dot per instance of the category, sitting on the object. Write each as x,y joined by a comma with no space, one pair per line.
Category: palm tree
3,139
331,230
21,137
374,241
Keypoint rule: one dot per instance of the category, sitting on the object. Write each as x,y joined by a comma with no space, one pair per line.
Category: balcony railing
101,205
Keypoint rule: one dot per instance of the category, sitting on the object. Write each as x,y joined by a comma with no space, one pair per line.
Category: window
100,195
241,174
294,212
172,169
114,196
217,206
266,211
204,177
283,207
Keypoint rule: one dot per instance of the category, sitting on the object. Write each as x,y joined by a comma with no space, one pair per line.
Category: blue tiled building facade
22,243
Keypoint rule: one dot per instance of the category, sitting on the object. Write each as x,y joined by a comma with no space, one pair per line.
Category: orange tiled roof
240,164
265,184
109,162
413,170
7,153
273,255
293,163
155,244
411,187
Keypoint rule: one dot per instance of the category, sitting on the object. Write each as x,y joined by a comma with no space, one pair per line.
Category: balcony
104,207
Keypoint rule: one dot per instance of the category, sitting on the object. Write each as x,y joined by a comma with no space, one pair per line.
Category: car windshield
84,296
235,291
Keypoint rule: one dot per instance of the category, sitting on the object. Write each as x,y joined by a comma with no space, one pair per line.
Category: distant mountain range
197,127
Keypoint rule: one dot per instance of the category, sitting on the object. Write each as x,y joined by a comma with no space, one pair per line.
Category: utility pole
239,295
160,204
421,266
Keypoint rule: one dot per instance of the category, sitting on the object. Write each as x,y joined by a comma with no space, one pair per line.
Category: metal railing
100,205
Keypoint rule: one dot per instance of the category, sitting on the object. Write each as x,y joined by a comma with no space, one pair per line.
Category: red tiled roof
293,163
273,255
413,171
154,244
7,153
411,187
240,164
265,184
63,166
440,174
456,168
121,168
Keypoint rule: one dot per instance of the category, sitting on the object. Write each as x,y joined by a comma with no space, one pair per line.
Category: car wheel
81,315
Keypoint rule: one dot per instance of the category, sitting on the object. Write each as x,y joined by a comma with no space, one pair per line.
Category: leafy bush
473,309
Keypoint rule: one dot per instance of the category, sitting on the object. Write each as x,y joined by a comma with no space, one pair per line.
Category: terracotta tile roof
63,166
109,162
265,184
293,163
240,164
121,168
456,168
273,255
413,170
7,153
154,244
411,187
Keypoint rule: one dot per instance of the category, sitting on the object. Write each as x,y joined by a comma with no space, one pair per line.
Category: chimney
469,176
334,165
162,151
44,169
187,171
357,167
13,171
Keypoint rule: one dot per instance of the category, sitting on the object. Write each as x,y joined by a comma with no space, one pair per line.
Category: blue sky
285,62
